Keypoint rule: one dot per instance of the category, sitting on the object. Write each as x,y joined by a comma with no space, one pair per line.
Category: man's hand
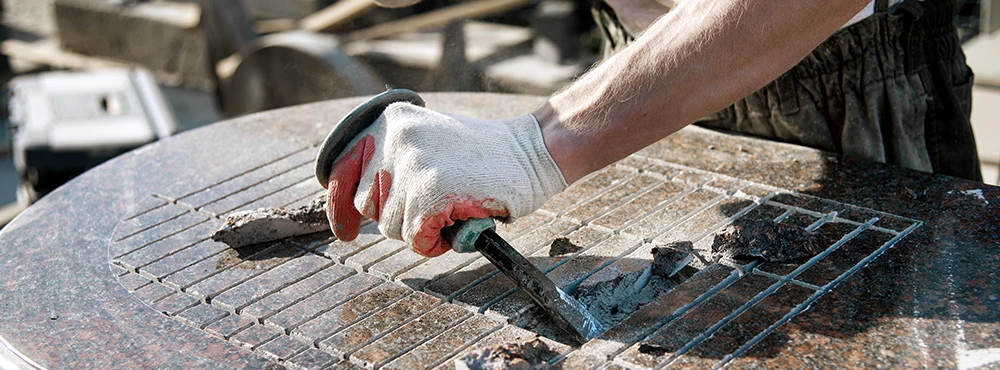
415,171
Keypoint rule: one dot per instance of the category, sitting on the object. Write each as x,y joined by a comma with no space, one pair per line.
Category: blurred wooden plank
226,67
274,25
47,52
437,18
335,15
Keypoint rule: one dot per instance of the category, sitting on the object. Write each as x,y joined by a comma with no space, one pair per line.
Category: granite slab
111,270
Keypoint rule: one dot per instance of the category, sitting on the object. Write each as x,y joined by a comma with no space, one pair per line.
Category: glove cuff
549,180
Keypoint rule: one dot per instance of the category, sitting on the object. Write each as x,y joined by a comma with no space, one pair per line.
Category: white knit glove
415,171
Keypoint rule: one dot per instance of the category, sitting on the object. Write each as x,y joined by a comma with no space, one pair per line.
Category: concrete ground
982,55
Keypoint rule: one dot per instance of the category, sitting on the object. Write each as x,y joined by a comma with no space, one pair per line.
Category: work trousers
892,88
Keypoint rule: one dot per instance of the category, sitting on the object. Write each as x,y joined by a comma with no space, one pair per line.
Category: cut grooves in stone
314,301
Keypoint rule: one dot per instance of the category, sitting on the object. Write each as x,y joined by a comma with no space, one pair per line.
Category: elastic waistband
913,28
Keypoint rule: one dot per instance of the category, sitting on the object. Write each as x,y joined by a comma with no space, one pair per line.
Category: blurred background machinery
148,69
63,123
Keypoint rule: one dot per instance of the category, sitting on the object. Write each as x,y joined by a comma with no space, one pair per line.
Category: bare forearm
697,59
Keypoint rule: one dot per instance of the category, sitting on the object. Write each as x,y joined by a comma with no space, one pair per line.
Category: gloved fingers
428,242
345,175
373,206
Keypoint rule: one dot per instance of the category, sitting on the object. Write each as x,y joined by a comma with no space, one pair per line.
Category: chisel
566,312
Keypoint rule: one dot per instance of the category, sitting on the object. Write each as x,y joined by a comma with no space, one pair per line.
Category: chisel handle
463,234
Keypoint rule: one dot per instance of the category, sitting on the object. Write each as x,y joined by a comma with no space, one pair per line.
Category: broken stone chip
530,355
271,224
562,246
671,258
766,240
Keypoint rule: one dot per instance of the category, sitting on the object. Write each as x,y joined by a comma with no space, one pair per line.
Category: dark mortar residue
766,240
263,225
312,213
670,258
561,246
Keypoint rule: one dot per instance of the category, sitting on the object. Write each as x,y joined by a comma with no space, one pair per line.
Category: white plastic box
66,122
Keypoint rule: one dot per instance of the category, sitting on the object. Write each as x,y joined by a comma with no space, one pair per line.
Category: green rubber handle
463,234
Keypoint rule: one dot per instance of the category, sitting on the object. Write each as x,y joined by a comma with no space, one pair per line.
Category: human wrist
560,143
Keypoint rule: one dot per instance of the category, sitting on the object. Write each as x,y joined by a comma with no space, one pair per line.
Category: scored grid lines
375,328
819,293
256,168
252,257
191,245
154,213
763,294
396,343
186,219
305,189
319,302
645,241
189,214
335,320
716,227
156,251
291,295
656,208
144,206
251,178
694,181
745,184
241,198
824,218
732,278
612,198
251,290
687,217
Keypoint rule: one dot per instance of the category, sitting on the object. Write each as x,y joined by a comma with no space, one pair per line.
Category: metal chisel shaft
569,314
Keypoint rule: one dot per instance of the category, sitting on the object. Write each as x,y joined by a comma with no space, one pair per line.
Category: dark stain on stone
533,354
766,240
227,258
670,258
262,256
562,246
652,349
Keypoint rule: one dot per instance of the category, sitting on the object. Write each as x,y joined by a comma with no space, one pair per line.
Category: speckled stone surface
112,269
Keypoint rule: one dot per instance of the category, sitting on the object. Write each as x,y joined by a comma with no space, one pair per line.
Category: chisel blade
568,313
